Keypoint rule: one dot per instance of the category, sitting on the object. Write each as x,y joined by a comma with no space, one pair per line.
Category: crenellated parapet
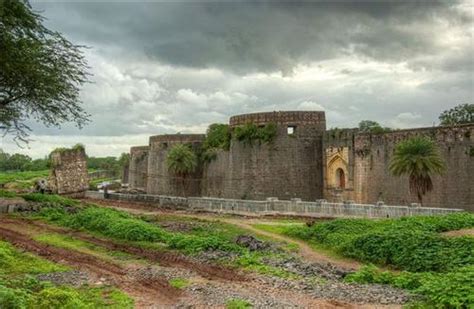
285,118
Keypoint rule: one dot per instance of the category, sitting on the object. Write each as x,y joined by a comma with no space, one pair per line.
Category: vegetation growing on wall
218,136
417,157
250,132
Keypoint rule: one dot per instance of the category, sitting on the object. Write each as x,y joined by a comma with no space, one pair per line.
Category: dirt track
145,293
305,251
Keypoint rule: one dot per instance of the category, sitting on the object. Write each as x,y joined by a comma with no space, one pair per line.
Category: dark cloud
261,36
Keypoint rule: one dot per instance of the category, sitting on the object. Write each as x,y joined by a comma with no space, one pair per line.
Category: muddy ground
211,285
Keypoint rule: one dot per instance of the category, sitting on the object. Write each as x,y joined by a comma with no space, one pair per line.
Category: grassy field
423,261
20,289
21,180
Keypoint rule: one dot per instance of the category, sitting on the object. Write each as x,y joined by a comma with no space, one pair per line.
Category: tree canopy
41,72
418,158
460,114
370,126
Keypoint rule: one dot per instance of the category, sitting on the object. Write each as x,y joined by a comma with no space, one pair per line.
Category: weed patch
179,283
238,303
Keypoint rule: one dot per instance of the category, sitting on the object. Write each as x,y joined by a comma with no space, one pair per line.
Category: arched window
340,178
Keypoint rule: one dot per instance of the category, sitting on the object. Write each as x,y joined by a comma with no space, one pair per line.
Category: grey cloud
262,36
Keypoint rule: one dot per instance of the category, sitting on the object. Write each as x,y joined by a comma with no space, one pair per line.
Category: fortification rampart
159,179
364,159
289,166
138,167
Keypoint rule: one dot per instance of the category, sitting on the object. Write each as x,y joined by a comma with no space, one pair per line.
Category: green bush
7,194
58,298
447,290
54,200
412,243
13,298
250,132
218,137
120,225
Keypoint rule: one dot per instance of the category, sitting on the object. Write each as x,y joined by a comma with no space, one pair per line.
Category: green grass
412,244
146,232
13,262
70,243
440,290
238,303
7,177
179,283
438,268
20,289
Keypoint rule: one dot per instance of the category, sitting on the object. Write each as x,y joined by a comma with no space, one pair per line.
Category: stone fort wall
138,167
288,167
159,179
310,164
365,158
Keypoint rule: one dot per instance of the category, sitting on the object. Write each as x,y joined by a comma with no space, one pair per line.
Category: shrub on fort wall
250,133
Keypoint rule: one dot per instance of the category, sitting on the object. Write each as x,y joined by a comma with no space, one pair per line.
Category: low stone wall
311,209
274,206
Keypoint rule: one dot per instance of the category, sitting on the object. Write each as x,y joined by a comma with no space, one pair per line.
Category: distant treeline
21,162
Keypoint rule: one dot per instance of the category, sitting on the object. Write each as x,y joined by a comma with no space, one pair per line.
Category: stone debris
250,242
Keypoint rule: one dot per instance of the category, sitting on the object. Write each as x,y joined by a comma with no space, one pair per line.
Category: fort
305,161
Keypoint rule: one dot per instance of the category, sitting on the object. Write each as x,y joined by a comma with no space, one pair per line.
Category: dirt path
145,292
148,292
169,259
458,233
305,251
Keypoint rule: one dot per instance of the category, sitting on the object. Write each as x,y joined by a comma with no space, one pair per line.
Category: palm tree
418,158
181,161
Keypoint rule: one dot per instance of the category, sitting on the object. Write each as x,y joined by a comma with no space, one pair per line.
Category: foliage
120,225
181,160
463,113
51,200
418,158
109,163
447,290
7,194
250,132
238,303
411,243
19,289
179,283
218,136
14,262
369,126
73,148
45,84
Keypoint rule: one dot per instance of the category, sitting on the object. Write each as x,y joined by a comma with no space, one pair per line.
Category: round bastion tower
289,166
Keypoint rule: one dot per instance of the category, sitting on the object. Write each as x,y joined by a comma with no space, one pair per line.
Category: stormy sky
162,67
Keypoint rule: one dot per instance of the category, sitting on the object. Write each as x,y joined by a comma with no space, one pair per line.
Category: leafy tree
369,126
218,136
460,114
418,158
40,72
182,161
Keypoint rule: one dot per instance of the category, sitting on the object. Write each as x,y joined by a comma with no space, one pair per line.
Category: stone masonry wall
68,174
290,166
372,181
138,167
160,180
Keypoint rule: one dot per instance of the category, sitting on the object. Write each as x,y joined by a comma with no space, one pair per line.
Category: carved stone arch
337,172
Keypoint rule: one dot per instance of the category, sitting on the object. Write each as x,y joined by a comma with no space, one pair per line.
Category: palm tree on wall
181,161
418,158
